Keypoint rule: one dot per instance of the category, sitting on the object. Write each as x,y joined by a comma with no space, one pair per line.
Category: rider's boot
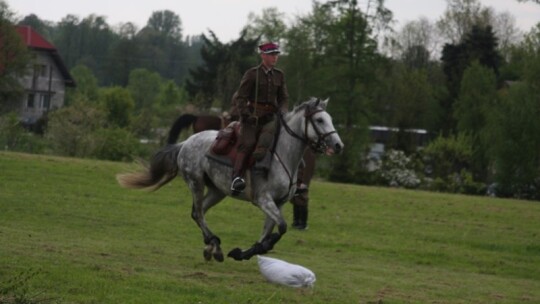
301,188
238,183
296,216
300,214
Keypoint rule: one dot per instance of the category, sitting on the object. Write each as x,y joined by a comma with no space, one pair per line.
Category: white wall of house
44,87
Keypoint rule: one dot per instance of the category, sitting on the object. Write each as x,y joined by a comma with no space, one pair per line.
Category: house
48,77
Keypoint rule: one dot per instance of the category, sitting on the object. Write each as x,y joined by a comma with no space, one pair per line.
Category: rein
317,146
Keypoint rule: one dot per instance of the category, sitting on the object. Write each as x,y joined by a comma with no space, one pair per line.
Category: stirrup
238,185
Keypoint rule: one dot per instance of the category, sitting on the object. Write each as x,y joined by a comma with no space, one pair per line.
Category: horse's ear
317,102
324,103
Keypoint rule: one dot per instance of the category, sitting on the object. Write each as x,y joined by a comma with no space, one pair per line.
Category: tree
514,129
5,12
171,95
504,26
298,62
85,42
269,26
513,126
477,95
124,55
224,64
144,87
118,105
167,23
480,44
307,70
161,47
44,28
87,86
171,99
351,49
417,42
407,101
459,18
14,60
476,98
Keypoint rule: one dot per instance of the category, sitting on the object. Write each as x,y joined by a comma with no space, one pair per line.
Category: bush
397,170
446,156
115,144
449,160
70,129
14,137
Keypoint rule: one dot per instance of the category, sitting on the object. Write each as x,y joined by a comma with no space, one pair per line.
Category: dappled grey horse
307,125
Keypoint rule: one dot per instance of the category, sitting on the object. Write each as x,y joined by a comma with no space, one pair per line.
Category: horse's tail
182,122
163,168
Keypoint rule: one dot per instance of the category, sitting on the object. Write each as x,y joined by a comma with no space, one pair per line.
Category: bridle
318,146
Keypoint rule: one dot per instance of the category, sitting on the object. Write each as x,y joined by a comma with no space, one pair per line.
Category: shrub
115,144
16,138
397,170
449,160
70,129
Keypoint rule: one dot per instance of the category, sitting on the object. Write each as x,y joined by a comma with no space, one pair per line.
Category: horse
307,125
200,123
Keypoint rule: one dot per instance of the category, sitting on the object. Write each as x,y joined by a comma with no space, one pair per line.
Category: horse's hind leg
201,203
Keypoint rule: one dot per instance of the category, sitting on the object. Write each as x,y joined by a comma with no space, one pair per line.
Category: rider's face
270,60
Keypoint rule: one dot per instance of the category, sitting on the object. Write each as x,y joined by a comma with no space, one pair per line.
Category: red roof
32,39
35,41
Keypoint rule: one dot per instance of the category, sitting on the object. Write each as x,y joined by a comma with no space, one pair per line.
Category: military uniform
258,107
261,95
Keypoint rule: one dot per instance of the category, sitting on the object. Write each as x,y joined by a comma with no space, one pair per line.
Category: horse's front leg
268,239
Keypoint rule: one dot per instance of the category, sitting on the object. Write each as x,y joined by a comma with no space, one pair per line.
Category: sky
227,17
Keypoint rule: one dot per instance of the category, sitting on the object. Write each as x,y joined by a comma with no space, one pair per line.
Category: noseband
318,146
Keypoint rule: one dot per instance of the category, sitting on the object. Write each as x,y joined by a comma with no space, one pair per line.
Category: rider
262,94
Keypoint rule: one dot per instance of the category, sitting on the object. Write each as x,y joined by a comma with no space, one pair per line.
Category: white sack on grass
281,272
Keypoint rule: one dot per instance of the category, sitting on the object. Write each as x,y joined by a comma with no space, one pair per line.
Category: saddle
225,147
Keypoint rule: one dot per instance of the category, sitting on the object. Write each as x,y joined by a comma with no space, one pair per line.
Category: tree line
471,79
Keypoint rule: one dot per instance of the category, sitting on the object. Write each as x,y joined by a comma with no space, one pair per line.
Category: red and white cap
269,48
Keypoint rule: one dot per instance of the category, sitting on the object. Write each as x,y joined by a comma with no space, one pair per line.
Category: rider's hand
249,119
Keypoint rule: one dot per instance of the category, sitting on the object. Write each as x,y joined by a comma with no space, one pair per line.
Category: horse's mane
312,102
308,103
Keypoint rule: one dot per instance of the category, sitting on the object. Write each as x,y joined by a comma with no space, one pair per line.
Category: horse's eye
320,120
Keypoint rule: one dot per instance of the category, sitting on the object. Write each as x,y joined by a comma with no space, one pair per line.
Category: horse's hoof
236,254
218,256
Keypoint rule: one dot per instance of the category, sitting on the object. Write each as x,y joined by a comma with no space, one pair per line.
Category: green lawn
70,234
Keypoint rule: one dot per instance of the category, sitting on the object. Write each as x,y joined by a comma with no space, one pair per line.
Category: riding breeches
257,139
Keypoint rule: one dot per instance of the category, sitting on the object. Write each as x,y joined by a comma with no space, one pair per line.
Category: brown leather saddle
225,147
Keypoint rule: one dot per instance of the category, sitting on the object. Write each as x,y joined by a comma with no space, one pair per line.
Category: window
44,101
30,101
40,70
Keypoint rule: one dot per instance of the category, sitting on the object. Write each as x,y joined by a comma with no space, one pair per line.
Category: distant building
48,77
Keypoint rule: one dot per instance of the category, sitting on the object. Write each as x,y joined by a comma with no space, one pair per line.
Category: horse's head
317,128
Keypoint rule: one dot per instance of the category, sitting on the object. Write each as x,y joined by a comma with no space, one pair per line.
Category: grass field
70,234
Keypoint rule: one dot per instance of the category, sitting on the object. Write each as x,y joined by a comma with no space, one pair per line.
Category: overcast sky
227,17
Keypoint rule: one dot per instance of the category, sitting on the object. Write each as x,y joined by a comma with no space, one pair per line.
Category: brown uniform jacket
272,90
